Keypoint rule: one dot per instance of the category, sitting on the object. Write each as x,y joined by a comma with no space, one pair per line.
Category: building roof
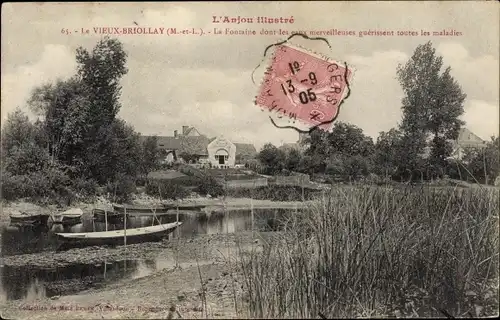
467,139
245,149
192,130
197,145
289,146
165,143
194,145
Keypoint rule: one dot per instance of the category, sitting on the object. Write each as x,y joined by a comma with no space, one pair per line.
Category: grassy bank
371,251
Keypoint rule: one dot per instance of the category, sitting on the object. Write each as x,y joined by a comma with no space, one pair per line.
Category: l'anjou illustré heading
261,19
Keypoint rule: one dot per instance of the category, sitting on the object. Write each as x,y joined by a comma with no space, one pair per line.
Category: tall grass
371,251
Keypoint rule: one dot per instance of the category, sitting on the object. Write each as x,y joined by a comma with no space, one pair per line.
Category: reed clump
374,251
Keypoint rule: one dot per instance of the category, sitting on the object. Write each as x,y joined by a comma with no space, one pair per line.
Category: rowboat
23,218
112,217
116,237
132,208
68,217
170,212
156,209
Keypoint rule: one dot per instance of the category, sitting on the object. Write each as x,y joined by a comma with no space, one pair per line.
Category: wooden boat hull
66,220
99,215
68,217
134,209
158,209
116,237
39,219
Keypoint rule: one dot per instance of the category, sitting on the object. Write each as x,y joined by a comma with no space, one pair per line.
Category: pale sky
205,81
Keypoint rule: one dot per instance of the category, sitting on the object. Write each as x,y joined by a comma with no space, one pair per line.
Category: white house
221,153
466,140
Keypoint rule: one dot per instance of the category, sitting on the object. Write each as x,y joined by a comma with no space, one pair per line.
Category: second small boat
68,217
23,218
112,217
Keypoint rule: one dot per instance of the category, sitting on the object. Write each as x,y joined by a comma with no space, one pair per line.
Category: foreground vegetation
371,251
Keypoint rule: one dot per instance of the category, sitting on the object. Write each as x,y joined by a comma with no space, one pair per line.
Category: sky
205,81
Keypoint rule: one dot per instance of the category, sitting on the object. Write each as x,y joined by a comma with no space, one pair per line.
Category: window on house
162,145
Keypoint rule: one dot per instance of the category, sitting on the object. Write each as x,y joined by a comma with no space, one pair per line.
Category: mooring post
125,225
177,221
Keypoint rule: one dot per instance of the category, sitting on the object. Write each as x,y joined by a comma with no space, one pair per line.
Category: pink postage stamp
304,87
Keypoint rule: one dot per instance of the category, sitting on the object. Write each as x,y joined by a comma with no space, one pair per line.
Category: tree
432,105
27,158
150,155
117,154
64,107
328,150
348,139
16,131
79,115
484,163
292,161
272,159
387,152
101,71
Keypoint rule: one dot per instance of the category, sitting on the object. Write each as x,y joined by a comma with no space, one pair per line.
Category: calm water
29,283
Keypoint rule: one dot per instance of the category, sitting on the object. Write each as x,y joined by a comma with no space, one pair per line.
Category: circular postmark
302,89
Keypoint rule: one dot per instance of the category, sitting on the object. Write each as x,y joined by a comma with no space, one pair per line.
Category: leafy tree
64,107
150,155
387,152
118,153
101,71
16,131
348,139
312,163
432,105
272,159
484,164
80,115
292,161
327,150
27,158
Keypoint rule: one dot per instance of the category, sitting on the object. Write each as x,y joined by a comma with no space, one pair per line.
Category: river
29,282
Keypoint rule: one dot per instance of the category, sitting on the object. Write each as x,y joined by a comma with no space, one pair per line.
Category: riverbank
212,205
203,268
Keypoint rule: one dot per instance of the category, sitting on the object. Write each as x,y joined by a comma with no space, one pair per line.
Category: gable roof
165,143
192,130
194,145
245,149
467,138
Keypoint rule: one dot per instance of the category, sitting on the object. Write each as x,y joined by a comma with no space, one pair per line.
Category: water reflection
32,283
36,239
29,283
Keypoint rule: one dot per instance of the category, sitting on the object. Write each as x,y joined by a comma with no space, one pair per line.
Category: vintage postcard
249,160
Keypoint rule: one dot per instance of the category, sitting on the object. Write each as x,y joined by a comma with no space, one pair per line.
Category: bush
211,186
166,189
14,187
85,187
49,186
122,189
